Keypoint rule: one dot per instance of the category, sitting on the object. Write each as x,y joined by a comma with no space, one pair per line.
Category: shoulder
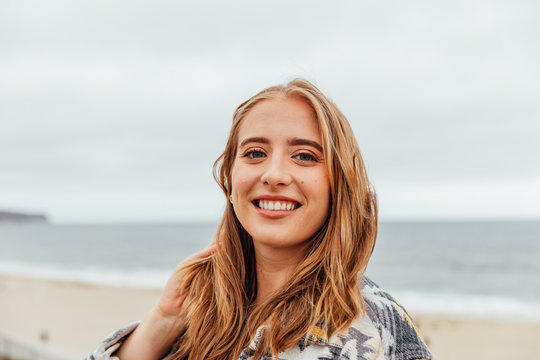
386,331
400,337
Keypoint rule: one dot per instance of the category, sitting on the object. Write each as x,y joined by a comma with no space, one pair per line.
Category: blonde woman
285,277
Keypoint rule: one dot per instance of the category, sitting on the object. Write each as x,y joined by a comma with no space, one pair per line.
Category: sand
450,338
70,319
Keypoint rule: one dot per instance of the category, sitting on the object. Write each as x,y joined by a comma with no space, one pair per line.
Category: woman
285,277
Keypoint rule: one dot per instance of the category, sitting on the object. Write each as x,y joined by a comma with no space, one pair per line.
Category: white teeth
276,205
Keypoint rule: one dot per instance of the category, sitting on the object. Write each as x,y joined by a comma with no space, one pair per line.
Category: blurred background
113,112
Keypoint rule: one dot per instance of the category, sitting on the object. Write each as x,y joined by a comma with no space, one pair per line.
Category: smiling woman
285,276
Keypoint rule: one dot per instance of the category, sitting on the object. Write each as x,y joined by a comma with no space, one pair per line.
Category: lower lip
273,214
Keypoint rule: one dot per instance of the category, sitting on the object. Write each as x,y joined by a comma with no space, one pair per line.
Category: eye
254,154
305,157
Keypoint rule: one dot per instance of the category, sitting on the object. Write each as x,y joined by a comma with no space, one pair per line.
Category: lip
274,214
275,198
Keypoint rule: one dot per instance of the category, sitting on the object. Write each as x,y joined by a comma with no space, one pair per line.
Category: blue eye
254,154
305,157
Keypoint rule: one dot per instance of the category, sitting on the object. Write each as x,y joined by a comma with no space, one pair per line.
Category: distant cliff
12,217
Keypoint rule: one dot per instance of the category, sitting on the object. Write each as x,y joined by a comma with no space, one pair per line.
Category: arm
154,337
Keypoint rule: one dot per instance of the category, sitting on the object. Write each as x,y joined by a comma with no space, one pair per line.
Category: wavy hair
324,290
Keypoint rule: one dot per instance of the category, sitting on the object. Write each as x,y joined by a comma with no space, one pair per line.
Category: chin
277,240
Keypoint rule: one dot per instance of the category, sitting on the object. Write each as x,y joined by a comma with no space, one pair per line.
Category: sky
114,111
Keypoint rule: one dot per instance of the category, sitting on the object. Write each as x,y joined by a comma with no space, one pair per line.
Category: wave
140,277
477,306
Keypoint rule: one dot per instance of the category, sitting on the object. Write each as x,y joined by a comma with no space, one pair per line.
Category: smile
273,205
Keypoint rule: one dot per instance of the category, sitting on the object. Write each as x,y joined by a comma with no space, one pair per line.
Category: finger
207,251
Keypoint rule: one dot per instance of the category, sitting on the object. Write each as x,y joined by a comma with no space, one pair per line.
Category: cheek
241,180
318,187
317,179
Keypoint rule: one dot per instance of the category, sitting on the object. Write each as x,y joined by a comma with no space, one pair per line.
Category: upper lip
275,198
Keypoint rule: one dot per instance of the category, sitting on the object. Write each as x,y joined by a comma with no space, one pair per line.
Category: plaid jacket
385,332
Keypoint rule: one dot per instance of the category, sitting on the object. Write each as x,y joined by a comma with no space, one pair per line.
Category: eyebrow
297,141
292,142
260,140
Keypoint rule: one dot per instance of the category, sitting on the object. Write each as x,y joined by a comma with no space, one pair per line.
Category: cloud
492,199
132,97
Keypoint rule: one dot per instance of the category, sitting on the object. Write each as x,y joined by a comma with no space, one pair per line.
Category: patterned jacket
385,332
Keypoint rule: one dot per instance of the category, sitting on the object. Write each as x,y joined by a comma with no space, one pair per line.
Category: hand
172,300
160,329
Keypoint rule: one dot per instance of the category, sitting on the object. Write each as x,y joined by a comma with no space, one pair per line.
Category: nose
276,173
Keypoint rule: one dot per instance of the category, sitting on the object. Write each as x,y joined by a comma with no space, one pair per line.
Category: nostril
276,178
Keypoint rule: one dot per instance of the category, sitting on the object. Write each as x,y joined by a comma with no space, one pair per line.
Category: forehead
281,117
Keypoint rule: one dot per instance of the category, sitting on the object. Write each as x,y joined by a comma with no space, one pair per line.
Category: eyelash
249,154
311,157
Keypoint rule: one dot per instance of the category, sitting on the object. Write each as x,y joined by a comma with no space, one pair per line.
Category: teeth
277,205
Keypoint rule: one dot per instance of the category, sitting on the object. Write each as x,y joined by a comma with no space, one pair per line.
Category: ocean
463,269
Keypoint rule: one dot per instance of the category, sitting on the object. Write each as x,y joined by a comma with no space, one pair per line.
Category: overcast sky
115,110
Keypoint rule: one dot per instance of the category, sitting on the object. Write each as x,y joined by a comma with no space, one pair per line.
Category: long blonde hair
324,290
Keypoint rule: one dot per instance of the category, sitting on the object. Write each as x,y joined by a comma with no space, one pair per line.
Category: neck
274,268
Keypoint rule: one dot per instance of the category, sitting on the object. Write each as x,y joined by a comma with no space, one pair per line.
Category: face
280,186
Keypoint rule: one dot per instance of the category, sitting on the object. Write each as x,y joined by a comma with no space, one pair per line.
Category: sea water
468,269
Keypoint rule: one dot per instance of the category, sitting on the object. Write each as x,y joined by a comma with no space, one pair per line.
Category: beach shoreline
71,318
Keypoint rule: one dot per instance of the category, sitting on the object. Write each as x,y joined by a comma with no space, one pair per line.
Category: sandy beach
71,318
